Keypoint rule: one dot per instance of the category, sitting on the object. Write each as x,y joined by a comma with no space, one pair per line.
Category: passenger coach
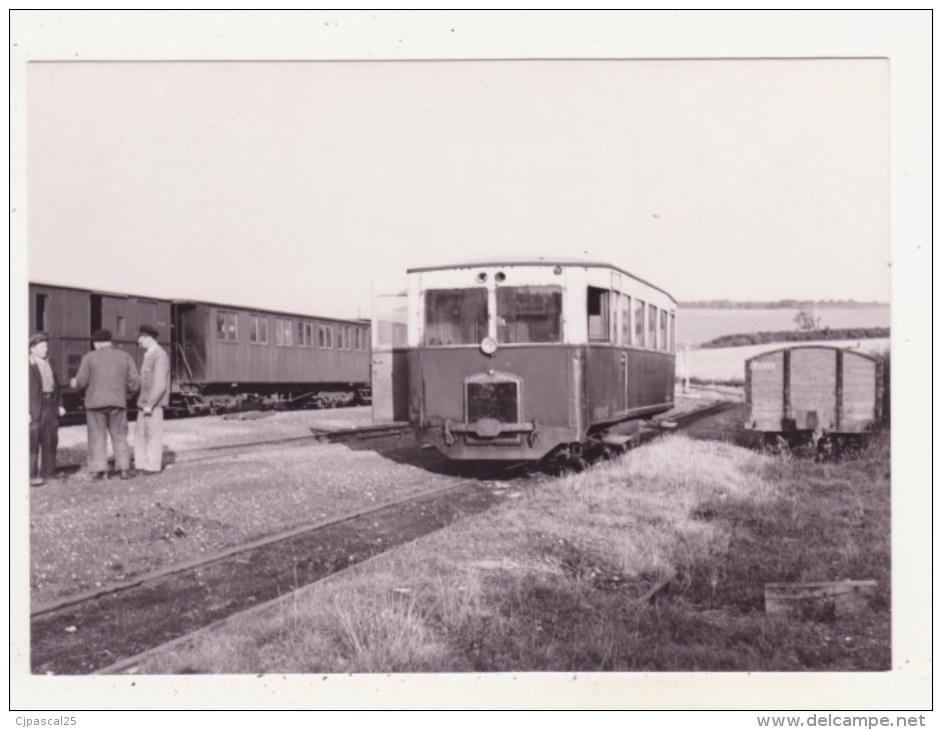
517,360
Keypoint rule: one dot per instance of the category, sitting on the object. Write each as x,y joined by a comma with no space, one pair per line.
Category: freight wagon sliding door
390,375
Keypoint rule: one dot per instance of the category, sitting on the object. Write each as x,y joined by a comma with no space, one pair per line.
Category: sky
308,186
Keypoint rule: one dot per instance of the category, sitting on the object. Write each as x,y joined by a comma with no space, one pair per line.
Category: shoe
36,482
126,474
98,475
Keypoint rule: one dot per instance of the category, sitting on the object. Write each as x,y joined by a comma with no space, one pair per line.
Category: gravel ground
87,534
182,434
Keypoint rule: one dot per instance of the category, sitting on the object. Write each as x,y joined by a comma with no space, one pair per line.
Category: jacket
36,391
155,379
109,376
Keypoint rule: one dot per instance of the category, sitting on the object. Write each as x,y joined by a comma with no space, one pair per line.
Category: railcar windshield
455,316
529,314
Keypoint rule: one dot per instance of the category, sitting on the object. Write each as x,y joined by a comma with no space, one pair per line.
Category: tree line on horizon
779,304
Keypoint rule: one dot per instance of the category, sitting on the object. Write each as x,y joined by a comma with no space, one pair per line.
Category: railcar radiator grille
492,400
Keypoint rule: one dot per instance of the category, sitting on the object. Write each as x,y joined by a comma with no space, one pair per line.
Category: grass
559,579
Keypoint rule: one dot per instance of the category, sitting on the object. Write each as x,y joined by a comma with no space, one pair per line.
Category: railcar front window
529,314
455,316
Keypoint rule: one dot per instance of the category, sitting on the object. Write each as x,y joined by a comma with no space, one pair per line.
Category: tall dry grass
656,561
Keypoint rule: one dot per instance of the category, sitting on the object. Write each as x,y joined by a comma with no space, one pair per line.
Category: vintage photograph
459,365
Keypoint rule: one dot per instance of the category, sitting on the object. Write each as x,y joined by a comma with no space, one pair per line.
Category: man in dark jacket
109,376
45,408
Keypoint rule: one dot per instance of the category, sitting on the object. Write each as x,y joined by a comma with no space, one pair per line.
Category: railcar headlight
488,346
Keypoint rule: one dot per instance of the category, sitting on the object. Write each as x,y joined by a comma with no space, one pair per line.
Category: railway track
102,630
359,433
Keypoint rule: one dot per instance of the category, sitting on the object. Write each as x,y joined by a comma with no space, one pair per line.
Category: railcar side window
663,336
624,316
639,323
226,326
258,330
599,311
673,333
652,327
529,314
455,316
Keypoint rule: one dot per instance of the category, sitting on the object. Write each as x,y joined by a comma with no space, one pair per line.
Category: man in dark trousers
154,397
45,408
110,377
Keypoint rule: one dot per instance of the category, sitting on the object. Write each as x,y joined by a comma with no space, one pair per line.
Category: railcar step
618,439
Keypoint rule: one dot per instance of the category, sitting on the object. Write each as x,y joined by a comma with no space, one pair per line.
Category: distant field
727,363
700,325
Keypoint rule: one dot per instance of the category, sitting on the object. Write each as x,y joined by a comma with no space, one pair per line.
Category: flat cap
146,329
101,336
35,339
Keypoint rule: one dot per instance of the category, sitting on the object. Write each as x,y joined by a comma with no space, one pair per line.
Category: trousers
103,422
44,440
149,440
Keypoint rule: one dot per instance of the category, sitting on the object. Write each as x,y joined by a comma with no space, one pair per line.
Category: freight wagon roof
848,350
537,261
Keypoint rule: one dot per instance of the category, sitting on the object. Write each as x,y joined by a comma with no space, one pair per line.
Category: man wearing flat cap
153,398
109,377
45,408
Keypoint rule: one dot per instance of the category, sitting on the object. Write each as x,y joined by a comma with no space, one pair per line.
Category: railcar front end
513,361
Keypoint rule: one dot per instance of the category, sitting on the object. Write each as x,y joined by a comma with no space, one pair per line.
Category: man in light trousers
153,398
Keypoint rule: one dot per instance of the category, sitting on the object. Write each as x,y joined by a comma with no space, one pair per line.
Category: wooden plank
818,601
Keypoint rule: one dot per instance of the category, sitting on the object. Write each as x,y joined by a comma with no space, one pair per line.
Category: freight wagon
806,394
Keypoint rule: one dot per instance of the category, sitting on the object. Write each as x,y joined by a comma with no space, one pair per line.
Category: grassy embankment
559,578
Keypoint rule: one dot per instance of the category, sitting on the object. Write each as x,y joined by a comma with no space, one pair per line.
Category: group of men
109,377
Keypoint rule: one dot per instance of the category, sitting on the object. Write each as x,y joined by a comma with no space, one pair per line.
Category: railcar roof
538,261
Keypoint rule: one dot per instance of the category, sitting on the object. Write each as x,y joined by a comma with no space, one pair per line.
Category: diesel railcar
813,393
221,356
526,359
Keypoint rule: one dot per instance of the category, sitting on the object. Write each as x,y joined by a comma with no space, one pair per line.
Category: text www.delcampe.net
861,721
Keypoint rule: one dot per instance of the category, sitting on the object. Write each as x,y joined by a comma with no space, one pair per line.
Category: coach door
390,376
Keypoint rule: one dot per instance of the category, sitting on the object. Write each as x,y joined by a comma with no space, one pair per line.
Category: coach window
599,311
305,334
284,333
639,323
41,300
529,314
258,330
455,316
652,327
226,326
673,333
326,336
